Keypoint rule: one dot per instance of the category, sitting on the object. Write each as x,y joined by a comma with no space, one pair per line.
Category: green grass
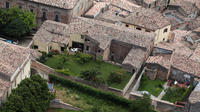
60,110
154,87
85,102
76,68
174,94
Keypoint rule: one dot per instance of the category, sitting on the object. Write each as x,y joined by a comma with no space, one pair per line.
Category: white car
74,49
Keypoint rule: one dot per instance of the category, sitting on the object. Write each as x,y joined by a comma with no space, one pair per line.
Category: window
35,47
138,28
127,25
165,30
147,30
56,18
44,15
31,10
62,49
99,51
7,5
87,48
87,40
15,83
20,6
7,94
82,36
149,5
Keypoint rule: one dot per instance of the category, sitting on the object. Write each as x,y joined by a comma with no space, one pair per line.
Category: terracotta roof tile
66,4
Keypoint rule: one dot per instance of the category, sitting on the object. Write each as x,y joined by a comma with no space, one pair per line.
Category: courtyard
154,87
74,65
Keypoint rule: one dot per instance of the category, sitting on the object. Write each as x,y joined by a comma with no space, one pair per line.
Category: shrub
90,91
53,52
90,75
116,77
107,96
43,58
83,58
65,71
176,94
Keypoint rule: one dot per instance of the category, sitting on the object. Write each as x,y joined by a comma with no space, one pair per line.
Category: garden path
163,91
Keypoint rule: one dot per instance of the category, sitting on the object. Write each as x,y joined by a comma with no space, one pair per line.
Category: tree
144,102
16,28
16,23
32,95
90,75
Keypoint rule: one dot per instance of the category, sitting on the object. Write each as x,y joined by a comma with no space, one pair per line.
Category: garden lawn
174,94
85,102
60,110
154,87
76,68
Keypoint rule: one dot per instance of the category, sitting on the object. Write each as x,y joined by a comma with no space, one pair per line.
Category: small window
127,25
35,47
31,10
20,7
15,83
7,5
87,40
82,36
57,18
138,28
147,30
165,30
44,15
62,49
149,5
99,51
87,48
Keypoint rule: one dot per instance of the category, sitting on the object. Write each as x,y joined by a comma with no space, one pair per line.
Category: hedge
91,91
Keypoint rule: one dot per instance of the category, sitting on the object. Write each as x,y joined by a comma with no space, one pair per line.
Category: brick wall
58,104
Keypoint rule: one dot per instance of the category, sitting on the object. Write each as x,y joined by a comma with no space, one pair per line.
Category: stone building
127,47
15,65
194,100
156,4
185,8
57,10
145,20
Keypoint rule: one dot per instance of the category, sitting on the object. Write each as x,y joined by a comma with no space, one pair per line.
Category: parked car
75,49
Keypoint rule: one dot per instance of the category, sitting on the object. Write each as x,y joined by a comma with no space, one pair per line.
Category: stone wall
133,78
137,84
58,104
160,105
118,51
154,71
45,71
